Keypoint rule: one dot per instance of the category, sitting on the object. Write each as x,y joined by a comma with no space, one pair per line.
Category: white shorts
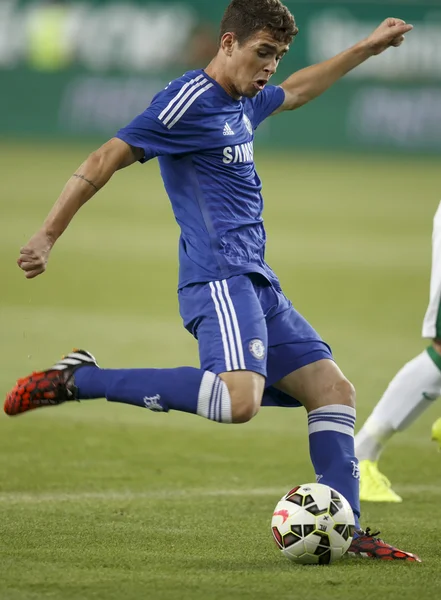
432,320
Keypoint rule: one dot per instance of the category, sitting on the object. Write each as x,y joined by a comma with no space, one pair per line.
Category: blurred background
87,67
351,184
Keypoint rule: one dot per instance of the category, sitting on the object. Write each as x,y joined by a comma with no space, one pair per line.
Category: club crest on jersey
248,124
257,349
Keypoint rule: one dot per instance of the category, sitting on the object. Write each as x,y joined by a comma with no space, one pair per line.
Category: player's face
255,62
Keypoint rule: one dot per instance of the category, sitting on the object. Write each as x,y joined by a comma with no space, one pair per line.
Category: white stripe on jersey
222,328
176,98
189,103
192,89
235,325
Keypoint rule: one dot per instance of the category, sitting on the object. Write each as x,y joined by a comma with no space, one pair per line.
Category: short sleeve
264,104
155,138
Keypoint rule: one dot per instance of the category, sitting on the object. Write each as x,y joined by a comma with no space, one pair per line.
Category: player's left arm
307,84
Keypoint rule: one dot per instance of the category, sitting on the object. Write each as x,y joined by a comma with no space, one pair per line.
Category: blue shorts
245,323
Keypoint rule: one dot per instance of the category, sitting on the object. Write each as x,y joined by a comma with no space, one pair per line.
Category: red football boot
367,545
48,388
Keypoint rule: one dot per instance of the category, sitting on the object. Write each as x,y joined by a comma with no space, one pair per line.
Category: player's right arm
87,180
166,127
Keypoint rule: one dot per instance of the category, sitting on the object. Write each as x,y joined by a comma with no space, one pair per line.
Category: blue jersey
204,141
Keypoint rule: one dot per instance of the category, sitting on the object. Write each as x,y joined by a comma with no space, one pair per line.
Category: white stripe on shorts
229,326
222,328
235,325
230,335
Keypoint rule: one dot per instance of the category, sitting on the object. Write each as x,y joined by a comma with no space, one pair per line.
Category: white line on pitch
170,494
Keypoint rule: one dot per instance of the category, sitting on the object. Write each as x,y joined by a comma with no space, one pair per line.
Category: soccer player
255,349
413,389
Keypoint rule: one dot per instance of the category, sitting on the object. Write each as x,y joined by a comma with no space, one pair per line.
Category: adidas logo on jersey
228,130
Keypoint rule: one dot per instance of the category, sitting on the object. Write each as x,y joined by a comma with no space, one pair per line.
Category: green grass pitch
111,502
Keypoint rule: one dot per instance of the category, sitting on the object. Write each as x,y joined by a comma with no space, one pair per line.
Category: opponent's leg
409,394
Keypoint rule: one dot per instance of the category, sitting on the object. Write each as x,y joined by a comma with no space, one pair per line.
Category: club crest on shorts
257,349
248,124
355,470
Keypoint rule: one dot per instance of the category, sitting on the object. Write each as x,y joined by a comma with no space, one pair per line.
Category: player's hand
390,33
34,256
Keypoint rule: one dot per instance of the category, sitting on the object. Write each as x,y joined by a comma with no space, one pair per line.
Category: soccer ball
313,524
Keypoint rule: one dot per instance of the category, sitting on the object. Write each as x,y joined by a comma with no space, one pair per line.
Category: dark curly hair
245,18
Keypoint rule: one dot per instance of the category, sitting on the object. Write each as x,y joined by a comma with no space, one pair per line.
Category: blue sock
185,389
331,445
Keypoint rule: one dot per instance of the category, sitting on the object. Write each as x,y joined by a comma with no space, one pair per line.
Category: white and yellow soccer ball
313,524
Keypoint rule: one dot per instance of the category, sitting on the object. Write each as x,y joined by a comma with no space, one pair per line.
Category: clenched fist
390,33
34,256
